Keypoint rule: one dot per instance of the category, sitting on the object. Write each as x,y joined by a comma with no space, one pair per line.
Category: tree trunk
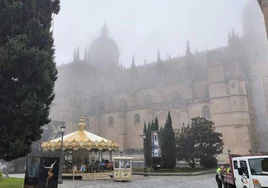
192,163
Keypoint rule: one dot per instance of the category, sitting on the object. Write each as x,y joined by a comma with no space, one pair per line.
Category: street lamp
145,167
62,127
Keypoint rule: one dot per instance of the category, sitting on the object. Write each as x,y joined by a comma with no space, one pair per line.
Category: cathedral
227,85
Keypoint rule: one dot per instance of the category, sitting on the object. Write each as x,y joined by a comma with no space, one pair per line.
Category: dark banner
156,151
41,172
32,172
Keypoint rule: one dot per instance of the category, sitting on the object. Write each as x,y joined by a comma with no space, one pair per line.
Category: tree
148,144
152,126
50,131
145,148
198,140
27,73
168,144
156,124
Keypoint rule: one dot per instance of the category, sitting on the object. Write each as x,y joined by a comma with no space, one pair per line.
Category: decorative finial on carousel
82,124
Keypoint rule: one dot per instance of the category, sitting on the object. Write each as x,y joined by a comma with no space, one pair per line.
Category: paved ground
203,181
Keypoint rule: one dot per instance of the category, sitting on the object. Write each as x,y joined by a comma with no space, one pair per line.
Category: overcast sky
141,27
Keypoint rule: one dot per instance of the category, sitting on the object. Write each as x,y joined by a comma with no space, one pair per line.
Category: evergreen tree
153,128
168,145
148,144
145,147
156,124
27,73
198,140
144,128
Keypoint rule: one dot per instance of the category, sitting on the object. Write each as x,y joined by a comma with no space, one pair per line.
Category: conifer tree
168,144
152,126
156,124
145,148
27,73
148,144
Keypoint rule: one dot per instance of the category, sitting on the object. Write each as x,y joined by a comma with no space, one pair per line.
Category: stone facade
214,84
264,7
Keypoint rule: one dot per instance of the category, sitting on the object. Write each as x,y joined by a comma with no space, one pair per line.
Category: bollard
94,176
73,172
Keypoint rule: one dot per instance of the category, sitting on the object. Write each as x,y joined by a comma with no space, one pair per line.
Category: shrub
208,162
1,174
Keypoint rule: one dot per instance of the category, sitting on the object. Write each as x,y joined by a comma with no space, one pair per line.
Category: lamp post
229,154
145,167
62,127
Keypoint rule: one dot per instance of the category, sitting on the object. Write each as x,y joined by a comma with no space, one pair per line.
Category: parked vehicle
246,172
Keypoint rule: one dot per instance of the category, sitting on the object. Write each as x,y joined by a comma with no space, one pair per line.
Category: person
127,164
50,172
218,176
83,168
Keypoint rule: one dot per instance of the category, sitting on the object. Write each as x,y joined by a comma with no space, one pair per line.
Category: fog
148,58
116,100
142,27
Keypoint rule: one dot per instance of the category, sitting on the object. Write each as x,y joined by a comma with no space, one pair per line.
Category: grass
11,182
176,170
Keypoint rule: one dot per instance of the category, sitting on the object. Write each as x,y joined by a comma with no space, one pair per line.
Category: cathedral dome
104,51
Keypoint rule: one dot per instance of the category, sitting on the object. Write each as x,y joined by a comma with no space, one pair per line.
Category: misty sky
141,27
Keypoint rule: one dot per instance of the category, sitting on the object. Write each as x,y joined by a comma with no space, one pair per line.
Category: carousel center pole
61,154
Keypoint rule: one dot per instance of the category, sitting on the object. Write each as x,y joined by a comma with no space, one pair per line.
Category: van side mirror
240,171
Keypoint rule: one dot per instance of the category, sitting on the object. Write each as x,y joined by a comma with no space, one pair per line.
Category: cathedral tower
228,103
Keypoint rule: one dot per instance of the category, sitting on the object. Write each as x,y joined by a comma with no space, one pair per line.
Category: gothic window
176,97
123,103
148,100
137,119
110,122
205,112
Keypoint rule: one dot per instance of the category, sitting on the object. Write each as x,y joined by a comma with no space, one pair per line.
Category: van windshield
259,166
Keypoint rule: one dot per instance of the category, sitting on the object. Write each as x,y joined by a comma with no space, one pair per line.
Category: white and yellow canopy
80,139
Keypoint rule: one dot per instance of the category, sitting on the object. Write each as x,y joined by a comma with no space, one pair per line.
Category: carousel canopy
80,139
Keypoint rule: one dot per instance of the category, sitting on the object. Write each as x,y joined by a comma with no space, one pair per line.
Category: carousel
84,153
